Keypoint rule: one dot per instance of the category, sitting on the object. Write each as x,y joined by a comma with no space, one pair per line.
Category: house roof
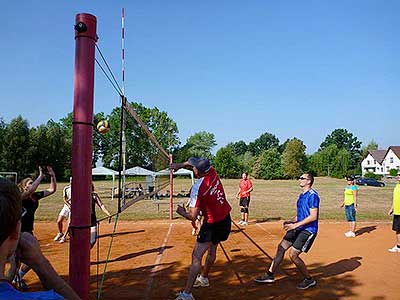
395,149
378,155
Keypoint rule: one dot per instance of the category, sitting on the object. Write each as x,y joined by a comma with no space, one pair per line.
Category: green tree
239,148
16,143
49,145
268,165
371,146
264,142
340,166
294,158
226,164
200,144
140,150
345,140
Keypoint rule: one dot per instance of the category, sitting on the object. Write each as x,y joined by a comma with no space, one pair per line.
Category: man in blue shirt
301,231
26,247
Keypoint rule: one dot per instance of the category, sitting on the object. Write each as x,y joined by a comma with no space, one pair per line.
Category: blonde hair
23,183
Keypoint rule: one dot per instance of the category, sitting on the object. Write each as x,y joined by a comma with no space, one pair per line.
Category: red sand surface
345,268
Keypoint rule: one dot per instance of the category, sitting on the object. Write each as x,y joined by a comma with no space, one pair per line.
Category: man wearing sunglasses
27,249
301,231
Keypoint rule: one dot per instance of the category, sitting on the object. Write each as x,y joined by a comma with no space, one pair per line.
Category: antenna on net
123,116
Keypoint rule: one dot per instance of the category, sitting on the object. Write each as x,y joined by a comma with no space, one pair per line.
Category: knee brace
246,210
242,209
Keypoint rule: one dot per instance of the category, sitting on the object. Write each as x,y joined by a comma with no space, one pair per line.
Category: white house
392,159
373,162
381,161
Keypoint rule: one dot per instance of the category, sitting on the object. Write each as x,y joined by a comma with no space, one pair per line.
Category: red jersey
209,196
245,185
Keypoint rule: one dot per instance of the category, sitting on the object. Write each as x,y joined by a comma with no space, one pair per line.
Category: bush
393,172
372,175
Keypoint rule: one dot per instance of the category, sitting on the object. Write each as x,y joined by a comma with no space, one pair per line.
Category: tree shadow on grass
366,229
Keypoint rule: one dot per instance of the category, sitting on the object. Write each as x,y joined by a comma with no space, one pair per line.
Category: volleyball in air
103,127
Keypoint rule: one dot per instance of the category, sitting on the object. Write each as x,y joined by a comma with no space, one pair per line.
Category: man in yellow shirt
395,210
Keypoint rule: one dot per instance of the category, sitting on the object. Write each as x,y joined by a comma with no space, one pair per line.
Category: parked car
369,181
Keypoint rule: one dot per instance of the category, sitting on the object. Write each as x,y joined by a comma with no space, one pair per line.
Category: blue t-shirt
7,292
306,201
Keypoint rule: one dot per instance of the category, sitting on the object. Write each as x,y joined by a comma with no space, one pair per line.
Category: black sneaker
306,283
265,278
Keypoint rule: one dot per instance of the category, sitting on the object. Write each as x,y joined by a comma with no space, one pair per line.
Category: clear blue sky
234,68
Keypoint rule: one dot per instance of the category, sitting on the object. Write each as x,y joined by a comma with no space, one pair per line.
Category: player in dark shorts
301,231
208,196
245,187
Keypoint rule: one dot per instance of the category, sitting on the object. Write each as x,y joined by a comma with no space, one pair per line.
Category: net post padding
79,259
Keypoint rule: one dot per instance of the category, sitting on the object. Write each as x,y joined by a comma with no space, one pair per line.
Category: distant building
381,161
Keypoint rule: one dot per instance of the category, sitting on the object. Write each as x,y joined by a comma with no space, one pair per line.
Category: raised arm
32,188
29,253
53,184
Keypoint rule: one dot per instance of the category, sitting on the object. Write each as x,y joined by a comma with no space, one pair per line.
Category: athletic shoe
184,296
240,222
58,236
306,283
244,223
62,240
350,234
265,278
394,249
201,282
20,283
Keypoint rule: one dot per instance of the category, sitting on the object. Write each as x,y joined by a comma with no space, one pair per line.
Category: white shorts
65,212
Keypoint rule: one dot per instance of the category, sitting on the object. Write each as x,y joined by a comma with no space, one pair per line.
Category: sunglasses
303,178
23,212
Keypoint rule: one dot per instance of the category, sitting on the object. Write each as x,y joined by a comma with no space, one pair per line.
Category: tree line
23,148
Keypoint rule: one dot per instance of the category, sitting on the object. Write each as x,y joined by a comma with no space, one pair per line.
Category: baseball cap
202,164
350,178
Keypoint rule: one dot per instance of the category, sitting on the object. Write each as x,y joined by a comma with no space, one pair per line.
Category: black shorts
245,201
215,232
396,223
301,240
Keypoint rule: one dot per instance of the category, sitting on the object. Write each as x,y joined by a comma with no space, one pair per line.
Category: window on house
387,168
391,160
381,169
374,162
367,162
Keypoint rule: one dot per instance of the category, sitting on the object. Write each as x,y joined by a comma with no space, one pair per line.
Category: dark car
369,181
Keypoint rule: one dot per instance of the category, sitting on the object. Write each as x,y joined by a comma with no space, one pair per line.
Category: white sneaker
62,240
58,236
201,282
240,222
394,249
183,296
244,223
350,234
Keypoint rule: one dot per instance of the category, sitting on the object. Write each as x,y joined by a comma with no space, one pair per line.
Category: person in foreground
208,196
28,252
395,210
301,231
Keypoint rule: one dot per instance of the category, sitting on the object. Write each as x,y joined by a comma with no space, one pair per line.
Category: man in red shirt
208,196
245,187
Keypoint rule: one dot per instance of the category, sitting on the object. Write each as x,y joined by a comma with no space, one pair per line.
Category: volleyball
103,126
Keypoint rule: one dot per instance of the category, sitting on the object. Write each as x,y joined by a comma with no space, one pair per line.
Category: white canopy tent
182,172
139,171
103,171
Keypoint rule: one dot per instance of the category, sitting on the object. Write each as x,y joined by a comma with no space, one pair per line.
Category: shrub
372,175
393,172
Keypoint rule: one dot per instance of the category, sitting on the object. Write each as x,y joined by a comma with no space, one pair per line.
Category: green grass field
270,200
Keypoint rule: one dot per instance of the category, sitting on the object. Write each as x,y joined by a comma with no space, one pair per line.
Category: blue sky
234,68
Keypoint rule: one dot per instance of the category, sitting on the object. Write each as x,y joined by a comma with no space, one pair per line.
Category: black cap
350,178
202,164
